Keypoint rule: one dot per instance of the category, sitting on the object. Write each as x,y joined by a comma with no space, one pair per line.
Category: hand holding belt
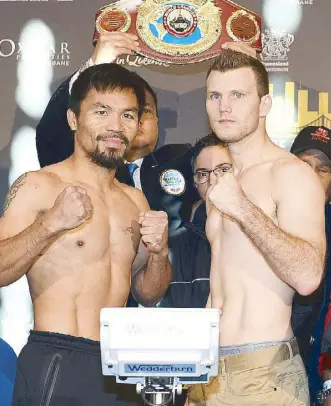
181,32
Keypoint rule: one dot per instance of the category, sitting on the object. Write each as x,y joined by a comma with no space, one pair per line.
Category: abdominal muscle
71,304
255,305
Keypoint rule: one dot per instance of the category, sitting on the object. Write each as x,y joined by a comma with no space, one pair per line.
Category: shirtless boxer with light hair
84,243
266,228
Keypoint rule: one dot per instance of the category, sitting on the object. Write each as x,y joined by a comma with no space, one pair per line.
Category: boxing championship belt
181,32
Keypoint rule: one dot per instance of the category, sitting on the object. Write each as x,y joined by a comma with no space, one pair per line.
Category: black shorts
61,370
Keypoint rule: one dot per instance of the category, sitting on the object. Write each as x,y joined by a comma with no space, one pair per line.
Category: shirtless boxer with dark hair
88,238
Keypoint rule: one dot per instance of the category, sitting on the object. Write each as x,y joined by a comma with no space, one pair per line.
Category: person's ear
72,119
265,105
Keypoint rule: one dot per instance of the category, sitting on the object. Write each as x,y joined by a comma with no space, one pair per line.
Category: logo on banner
172,182
276,45
305,2
59,55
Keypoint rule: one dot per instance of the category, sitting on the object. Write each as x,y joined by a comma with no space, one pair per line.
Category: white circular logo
180,20
172,182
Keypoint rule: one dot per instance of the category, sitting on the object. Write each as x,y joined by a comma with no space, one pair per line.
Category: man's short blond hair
231,60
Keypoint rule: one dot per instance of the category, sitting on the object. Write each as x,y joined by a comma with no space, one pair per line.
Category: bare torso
255,304
87,268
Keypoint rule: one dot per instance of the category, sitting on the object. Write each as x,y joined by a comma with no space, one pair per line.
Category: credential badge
173,182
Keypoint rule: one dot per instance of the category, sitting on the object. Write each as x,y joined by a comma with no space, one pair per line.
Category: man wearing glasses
191,251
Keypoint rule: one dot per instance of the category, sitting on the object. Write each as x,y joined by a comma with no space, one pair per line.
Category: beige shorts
266,377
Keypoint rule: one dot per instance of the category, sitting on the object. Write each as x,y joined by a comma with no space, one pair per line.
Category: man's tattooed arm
24,234
12,192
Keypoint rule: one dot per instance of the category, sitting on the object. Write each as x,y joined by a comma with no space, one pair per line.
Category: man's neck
249,151
90,173
134,154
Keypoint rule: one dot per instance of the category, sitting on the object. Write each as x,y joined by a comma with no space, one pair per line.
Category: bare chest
257,186
111,235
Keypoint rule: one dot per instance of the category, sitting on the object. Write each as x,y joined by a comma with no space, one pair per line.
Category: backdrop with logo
44,41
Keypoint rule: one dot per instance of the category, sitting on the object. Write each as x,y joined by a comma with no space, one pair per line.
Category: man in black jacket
191,257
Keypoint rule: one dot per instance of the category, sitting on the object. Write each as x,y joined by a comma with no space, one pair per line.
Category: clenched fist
71,209
227,195
113,44
154,231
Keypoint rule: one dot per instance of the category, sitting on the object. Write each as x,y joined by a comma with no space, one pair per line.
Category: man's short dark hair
231,60
318,154
210,140
106,77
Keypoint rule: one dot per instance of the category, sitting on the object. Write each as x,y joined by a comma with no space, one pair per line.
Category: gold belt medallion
179,28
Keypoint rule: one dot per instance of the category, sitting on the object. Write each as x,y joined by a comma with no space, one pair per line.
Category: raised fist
154,231
72,208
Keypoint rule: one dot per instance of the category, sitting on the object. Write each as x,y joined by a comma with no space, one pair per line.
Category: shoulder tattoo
12,192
